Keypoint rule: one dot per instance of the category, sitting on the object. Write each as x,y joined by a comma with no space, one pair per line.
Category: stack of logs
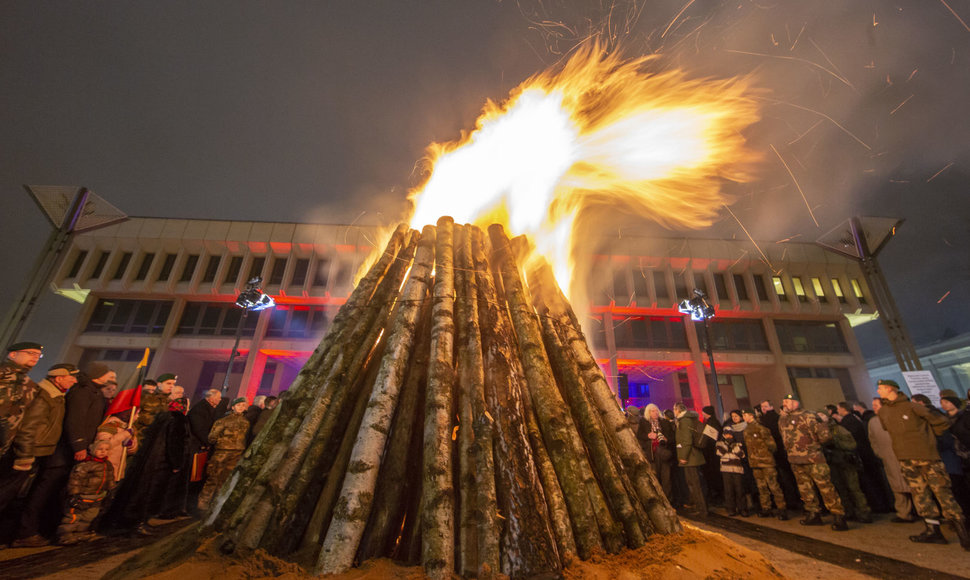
453,417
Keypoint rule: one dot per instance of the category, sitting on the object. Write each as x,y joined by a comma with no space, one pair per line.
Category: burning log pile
453,417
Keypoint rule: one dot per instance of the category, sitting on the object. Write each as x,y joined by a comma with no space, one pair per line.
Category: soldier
153,401
844,463
228,438
913,429
803,436
761,457
16,391
689,456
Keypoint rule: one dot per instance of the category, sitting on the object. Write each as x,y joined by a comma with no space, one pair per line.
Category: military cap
791,397
167,377
62,370
25,346
888,383
747,410
239,400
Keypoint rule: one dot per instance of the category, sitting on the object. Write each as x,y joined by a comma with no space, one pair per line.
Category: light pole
252,299
700,310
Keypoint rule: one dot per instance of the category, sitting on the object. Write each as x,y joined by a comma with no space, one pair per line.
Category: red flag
129,397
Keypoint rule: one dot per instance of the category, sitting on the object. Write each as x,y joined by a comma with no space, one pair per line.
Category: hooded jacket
687,425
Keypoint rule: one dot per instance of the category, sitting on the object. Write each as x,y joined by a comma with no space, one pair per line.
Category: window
837,288
817,286
649,332
342,277
211,268
857,290
621,288
279,268
122,266
99,266
215,319
761,287
660,285
598,332
129,316
799,289
778,286
166,271
684,383
146,265
720,287
680,287
256,268
300,271
808,336
78,262
321,274
740,286
737,335
297,322
232,272
189,269
641,294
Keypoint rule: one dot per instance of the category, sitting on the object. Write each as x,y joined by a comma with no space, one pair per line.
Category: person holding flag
124,409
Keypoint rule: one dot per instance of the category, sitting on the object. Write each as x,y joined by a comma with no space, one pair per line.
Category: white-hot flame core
600,131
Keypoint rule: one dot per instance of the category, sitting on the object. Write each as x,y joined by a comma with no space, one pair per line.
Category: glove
129,443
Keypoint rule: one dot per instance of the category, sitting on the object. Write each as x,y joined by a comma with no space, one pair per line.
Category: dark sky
319,111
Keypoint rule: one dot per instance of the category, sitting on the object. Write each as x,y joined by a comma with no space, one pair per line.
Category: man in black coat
84,408
200,418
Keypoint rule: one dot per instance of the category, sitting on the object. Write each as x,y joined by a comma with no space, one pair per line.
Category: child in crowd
731,453
88,486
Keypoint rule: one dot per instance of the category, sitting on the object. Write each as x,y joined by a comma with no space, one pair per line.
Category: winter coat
731,454
882,445
803,436
42,424
114,432
152,405
229,433
662,448
841,449
201,418
760,445
913,428
960,427
16,393
83,413
687,426
92,476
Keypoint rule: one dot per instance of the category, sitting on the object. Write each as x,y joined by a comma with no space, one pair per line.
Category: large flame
600,130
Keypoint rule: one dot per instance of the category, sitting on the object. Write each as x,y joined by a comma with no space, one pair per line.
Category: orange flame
600,131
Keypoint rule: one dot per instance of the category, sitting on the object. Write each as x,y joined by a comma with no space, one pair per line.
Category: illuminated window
857,290
817,286
837,288
779,286
799,289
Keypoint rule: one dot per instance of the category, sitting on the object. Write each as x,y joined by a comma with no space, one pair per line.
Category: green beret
239,400
888,383
167,377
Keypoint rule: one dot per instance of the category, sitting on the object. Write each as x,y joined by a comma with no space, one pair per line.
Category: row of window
642,279
204,319
208,268
664,332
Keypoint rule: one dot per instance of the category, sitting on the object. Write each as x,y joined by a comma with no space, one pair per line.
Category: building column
779,368
861,383
700,391
255,361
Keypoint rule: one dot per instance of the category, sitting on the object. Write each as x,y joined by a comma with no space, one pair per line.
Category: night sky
320,111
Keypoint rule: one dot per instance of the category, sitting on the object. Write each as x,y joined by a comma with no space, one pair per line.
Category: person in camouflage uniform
153,402
761,458
804,436
913,429
844,462
87,488
228,440
16,390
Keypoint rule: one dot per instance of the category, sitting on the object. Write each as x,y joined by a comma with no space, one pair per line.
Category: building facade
782,323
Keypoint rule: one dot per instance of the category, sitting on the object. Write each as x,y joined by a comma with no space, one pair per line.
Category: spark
828,60
834,122
942,298
912,74
788,239
796,39
799,187
745,230
900,105
807,131
945,167
875,23
686,6
957,16
834,74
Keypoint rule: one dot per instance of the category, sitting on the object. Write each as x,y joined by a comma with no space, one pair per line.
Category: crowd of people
904,456
72,463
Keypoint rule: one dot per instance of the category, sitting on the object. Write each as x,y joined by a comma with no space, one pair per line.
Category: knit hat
179,405
950,395
708,410
62,370
239,400
25,346
167,377
96,370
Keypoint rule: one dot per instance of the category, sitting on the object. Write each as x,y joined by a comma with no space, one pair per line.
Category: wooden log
479,507
594,439
288,519
528,547
438,518
558,430
352,510
662,515
269,446
400,474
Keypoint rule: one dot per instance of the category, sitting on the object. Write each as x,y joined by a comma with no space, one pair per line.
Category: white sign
922,382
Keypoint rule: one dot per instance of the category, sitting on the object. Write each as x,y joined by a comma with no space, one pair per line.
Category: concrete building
947,359
782,325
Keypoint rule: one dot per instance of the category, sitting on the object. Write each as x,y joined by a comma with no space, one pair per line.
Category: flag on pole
129,397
